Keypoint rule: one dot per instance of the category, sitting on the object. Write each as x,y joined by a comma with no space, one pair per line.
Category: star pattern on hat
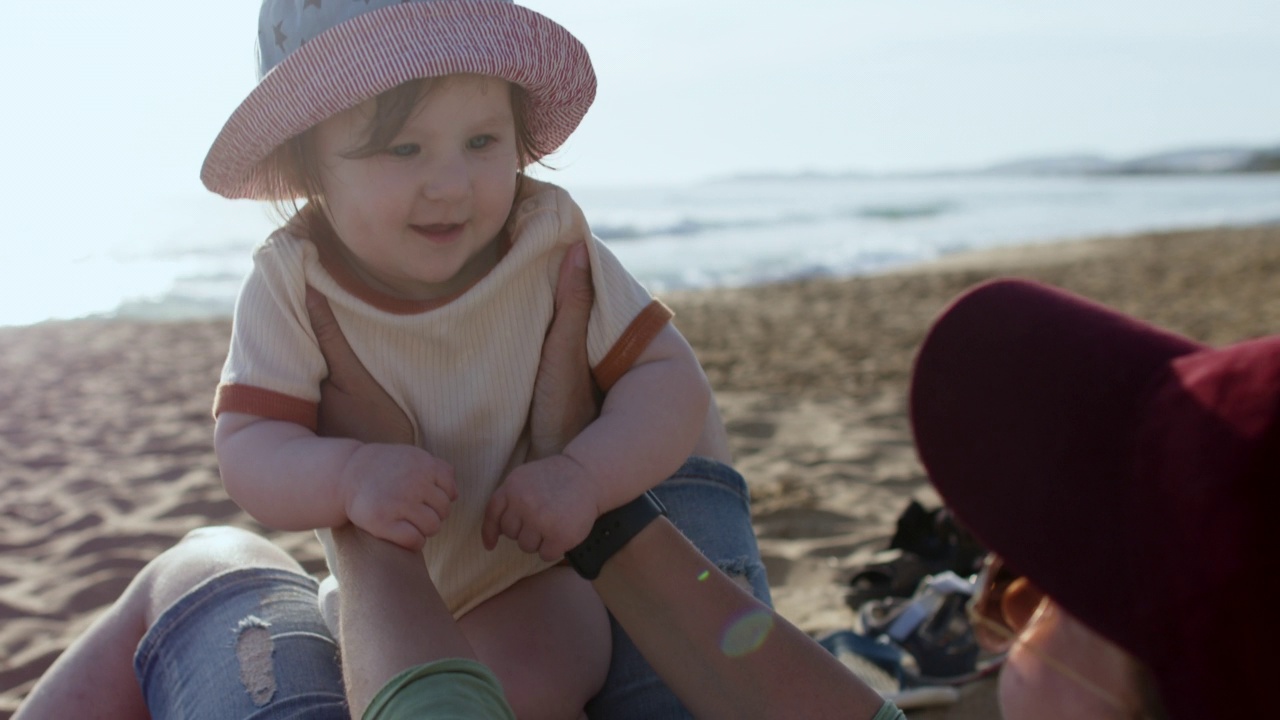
281,38
311,3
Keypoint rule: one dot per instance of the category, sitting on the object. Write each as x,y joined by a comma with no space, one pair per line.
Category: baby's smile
442,233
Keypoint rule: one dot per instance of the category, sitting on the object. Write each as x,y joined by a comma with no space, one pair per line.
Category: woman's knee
198,556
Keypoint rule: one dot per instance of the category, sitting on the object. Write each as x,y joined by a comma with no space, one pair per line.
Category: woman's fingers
565,398
352,403
337,352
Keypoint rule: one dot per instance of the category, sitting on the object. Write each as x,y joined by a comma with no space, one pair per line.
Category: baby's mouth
439,232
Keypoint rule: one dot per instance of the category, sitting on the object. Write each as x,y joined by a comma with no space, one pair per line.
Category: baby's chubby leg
547,639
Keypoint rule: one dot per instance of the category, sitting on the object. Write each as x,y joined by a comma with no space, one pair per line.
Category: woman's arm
724,653
391,617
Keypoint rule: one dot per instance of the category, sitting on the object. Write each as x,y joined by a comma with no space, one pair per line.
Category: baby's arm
651,420
649,423
289,479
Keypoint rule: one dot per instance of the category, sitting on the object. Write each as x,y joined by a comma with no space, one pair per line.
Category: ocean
186,258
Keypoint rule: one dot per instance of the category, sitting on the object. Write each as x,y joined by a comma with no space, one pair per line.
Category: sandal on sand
880,665
932,628
925,542
892,573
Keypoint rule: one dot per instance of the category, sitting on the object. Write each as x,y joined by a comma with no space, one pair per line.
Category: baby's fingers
442,478
553,549
500,519
426,519
491,526
438,500
405,534
530,539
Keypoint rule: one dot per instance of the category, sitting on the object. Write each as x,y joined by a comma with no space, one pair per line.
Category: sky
111,106
135,91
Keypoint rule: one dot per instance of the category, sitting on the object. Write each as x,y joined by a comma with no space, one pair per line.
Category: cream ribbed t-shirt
461,368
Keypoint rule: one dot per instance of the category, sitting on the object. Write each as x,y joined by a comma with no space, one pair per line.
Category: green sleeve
889,711
453,689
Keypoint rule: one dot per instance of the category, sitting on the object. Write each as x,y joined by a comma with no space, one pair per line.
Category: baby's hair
296,174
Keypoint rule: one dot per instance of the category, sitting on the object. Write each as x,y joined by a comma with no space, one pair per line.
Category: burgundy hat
1130,472
320,57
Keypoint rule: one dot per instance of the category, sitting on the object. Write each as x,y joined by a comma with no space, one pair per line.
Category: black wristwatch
613,530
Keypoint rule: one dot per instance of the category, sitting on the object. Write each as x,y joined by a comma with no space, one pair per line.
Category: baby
405,128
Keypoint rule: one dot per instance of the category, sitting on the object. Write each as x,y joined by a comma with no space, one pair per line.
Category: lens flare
746,633
704,575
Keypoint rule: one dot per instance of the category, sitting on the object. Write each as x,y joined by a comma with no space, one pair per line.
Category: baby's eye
403,151
480,142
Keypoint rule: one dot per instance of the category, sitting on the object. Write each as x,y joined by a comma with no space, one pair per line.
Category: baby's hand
399,493
547,506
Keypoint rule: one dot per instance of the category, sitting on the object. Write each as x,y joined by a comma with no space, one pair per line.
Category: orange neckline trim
331,258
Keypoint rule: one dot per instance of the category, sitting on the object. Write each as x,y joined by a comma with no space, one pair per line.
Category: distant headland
1191,161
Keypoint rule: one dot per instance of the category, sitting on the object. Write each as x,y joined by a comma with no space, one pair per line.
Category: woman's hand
548,504
565,396
352,404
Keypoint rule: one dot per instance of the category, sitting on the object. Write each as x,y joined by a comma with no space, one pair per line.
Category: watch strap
612,531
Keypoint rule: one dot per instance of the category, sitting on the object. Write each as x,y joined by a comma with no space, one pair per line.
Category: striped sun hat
320,57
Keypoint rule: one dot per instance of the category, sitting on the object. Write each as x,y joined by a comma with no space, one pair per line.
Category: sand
105,434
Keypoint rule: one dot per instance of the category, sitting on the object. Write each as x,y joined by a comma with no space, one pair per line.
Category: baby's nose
446,179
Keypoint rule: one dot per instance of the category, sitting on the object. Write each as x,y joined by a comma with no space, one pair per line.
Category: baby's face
420,218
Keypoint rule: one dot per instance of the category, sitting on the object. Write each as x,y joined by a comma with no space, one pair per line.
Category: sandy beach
106,440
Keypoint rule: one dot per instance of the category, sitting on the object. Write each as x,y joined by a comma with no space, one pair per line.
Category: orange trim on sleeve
264,403
634,340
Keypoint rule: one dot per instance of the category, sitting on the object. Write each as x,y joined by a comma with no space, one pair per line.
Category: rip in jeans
739,570
254,648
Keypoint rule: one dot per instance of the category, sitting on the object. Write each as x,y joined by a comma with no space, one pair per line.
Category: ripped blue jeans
251,643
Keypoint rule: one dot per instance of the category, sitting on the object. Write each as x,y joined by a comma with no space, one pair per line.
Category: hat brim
374,52
1128,471
1026,403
